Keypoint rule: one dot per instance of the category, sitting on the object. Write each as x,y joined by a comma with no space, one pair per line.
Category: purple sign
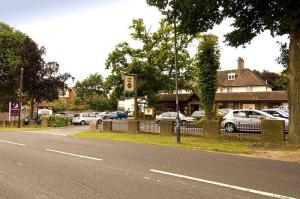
14,109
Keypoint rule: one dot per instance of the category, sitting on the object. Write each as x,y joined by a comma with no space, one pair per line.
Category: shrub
58,121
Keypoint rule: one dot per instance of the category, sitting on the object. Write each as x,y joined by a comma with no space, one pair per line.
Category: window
239,114
231,76
253,114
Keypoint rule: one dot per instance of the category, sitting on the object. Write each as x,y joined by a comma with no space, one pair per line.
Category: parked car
246,120
198,114
104,115
85,118
129,113
172,116
276,112
118,115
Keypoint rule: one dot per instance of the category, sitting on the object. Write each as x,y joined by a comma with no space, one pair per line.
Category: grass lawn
221,144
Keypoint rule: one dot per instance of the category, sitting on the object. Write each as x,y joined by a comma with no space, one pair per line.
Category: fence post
133,126
166,127
107,125
273,132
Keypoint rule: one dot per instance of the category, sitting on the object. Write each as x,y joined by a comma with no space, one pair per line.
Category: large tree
280,17
152,59
208,63
42,81
11,42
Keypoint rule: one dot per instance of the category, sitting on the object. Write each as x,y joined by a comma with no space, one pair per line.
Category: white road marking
15,143
72,154
223,185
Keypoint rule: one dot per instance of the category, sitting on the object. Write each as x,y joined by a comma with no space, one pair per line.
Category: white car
172,116
85,118
247,120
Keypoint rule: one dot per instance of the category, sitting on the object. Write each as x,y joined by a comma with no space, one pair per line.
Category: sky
79,34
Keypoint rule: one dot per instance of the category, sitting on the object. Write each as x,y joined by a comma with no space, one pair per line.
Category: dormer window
231,76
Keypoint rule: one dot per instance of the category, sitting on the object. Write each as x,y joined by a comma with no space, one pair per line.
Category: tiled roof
231,97
253,96
244,77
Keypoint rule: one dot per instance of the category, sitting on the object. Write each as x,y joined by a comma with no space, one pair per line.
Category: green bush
58,121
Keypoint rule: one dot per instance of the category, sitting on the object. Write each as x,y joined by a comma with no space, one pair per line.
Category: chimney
240,63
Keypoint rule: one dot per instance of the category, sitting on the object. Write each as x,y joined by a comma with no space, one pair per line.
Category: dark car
119,115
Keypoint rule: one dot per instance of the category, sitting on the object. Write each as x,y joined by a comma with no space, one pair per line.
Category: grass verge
222,145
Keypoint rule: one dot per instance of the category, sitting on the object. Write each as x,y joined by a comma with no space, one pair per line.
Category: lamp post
20,98
176,81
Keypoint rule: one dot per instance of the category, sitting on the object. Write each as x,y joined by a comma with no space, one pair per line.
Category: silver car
246,120
276,112
172,116
85,118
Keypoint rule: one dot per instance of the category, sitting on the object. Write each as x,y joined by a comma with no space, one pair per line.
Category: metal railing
249,129
191,128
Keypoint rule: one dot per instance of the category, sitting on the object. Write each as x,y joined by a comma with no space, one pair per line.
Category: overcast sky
79,34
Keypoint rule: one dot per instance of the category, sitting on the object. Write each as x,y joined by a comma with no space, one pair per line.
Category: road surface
52,164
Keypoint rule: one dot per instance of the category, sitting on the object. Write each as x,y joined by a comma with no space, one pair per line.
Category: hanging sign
149,111
129,83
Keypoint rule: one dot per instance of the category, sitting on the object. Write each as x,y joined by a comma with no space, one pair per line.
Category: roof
280,96
245,77
252,96
172,97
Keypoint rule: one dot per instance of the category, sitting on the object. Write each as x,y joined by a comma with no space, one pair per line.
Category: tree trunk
31,108
294,87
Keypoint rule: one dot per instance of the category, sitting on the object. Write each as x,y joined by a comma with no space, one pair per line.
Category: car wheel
184,123
82,122
229,127
105,118
99,122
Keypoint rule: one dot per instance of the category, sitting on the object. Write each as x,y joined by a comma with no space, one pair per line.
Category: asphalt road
51,164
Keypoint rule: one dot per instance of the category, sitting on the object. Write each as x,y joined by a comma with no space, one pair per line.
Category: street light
176,80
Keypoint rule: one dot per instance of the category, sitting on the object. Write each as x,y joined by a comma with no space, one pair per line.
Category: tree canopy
250,18
152,60
41,80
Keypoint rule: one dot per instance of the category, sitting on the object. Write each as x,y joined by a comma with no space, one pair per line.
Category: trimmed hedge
56,121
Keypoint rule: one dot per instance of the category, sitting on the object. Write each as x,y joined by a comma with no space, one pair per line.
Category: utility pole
20,97
136,107
176,79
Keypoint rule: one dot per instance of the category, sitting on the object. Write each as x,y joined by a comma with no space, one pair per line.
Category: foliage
207,60
152,60
250,18
91,87
58,121
42,81
277,81
11,42
103,105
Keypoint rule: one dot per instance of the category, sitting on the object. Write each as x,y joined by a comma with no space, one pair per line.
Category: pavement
53,164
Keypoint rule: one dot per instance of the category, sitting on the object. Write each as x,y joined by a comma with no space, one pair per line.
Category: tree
91,88
251,18
208,62
11,42
277,81
152,61
42,81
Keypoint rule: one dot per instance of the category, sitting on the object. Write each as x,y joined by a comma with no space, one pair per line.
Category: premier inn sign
129,83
